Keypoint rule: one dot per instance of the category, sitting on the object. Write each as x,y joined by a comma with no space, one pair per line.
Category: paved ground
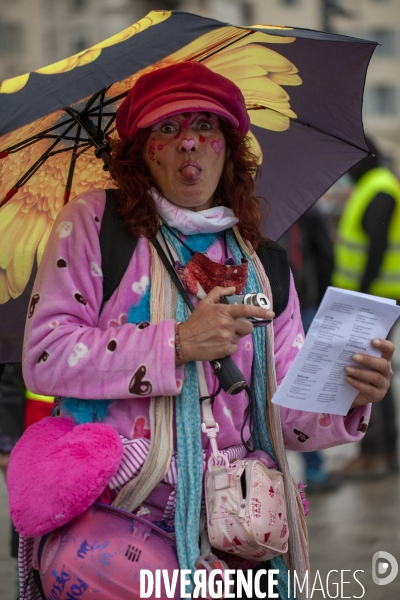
346,528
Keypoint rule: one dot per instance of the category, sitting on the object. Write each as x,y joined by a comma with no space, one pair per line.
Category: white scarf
189,222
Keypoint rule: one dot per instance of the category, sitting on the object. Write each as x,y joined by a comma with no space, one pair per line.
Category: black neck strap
173,274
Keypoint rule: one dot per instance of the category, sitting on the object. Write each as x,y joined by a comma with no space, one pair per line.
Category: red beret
183,87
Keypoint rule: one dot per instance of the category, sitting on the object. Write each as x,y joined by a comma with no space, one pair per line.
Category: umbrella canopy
303,90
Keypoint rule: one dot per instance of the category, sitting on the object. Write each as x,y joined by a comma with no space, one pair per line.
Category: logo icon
380,566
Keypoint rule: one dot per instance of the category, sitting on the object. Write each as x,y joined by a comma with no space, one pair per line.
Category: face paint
173,126
217,146
189,166
188,144
185,122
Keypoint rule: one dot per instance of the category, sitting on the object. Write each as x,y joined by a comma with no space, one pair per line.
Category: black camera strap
173,274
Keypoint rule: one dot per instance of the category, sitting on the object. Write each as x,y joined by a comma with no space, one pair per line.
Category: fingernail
357,357
350,370
376,342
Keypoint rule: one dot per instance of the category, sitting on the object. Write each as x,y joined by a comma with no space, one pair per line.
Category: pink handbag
245,501
101,553
246,510
57,470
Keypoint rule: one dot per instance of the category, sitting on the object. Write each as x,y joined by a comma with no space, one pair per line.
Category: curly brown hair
236,188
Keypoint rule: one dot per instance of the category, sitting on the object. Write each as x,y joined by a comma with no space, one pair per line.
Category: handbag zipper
241,474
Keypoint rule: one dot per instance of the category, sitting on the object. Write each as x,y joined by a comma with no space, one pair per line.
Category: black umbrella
303,91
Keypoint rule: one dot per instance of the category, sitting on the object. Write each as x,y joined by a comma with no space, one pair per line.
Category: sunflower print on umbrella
242,55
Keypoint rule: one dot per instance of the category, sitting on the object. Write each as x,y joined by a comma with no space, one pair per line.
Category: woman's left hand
373,382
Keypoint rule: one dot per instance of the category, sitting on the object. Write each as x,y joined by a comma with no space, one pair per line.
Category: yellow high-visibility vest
351,249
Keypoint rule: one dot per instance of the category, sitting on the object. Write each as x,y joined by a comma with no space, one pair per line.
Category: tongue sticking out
190,174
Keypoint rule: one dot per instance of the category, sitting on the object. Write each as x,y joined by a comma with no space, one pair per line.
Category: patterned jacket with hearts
71,351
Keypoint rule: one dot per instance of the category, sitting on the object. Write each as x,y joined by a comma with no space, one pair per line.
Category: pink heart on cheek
188,144
217,146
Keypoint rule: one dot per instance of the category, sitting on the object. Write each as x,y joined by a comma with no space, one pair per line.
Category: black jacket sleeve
376,223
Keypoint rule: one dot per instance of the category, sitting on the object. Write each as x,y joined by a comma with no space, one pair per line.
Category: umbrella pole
68,185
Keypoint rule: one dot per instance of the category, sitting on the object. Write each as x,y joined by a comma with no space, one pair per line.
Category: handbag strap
210,427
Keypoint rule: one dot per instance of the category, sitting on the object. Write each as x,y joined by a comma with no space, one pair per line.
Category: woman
183,167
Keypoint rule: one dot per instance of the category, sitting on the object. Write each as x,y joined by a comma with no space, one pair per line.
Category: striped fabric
134,454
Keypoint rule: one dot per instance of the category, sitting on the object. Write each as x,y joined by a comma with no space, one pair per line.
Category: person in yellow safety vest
367,259
367,254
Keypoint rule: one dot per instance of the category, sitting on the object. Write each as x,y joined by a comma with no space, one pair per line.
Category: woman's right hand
213,330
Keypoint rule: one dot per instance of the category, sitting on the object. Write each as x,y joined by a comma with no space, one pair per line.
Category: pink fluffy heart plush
57,470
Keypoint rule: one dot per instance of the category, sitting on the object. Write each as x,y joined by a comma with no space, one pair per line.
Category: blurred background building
35,33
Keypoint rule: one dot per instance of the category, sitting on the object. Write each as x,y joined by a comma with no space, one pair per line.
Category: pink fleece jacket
72,351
